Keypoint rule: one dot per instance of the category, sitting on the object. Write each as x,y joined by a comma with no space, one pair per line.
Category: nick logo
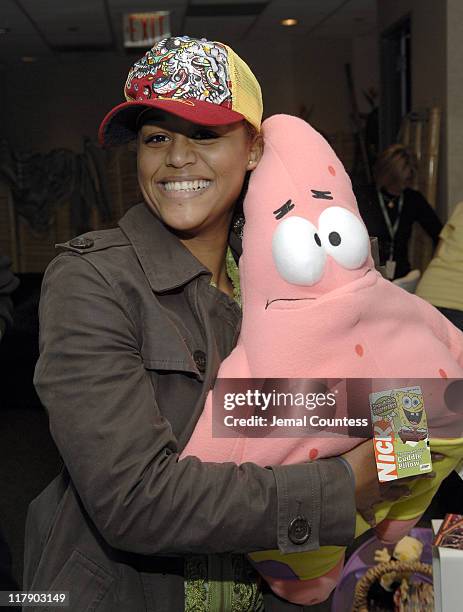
385,458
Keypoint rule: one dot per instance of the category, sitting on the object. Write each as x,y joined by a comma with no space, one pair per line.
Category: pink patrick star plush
315,307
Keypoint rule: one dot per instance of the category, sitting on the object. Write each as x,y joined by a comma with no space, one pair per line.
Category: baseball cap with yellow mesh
202,81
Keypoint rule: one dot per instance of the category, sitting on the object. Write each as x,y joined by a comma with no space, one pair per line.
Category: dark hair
396,164
238,219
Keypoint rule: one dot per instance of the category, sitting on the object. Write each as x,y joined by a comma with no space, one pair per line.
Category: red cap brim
120,124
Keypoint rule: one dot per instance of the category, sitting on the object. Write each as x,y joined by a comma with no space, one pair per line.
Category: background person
442,281
389,207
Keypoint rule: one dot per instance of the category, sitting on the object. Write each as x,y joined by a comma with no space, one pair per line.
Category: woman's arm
122,455
427,218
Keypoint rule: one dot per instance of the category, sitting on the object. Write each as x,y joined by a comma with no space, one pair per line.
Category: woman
134,323
442,281
390,207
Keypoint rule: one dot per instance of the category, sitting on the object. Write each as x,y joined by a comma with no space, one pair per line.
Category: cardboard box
447,569
400,433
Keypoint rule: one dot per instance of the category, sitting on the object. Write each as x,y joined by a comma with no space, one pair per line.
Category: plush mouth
287,300
298,299
195,186
413,417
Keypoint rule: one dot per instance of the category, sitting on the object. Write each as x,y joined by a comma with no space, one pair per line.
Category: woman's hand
368,490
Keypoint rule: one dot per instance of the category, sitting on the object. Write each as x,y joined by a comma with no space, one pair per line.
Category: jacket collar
165,261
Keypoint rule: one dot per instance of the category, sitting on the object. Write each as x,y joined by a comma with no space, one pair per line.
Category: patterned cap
199,80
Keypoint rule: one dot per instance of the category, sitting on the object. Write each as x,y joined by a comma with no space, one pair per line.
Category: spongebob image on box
401,433
411,418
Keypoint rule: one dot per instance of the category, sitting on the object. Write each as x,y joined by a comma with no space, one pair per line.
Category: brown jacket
131,338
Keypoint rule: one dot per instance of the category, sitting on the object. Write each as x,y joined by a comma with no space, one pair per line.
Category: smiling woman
134,324
191,175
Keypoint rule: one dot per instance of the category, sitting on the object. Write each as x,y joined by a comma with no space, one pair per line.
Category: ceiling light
28,59
4,30
288,22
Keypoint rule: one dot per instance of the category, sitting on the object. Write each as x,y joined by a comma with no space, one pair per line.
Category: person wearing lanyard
389,208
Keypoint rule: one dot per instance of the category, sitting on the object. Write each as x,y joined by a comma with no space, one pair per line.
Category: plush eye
297,251
344,237
406,402
415,402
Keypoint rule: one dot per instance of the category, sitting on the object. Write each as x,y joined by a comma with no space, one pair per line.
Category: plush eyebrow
283,210
321,195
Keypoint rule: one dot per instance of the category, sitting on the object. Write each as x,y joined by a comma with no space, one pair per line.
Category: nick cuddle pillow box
400,432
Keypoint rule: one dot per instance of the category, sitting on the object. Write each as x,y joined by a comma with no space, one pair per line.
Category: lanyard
392,229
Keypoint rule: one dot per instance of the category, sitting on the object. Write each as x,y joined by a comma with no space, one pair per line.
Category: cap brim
120,124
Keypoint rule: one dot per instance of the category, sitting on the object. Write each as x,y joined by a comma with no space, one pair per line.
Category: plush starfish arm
455,342
404,514
202,444
446,331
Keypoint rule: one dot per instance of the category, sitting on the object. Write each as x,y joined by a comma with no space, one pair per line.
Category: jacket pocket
87,583
163,361
41,517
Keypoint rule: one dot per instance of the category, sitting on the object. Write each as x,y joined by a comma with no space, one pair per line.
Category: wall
365,67
454,125
428,44
320,82
54,104
429,69
276,76
2,100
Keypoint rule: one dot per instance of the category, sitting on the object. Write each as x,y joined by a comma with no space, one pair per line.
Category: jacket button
299,530
82,243
200,360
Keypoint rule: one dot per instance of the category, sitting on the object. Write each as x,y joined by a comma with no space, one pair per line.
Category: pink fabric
390,532
350,324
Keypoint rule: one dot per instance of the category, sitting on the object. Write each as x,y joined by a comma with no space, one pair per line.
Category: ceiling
46,30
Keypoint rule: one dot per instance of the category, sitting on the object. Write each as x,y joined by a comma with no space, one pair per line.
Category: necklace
390,198
233,274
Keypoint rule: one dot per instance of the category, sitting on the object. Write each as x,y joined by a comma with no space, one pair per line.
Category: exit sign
145,29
